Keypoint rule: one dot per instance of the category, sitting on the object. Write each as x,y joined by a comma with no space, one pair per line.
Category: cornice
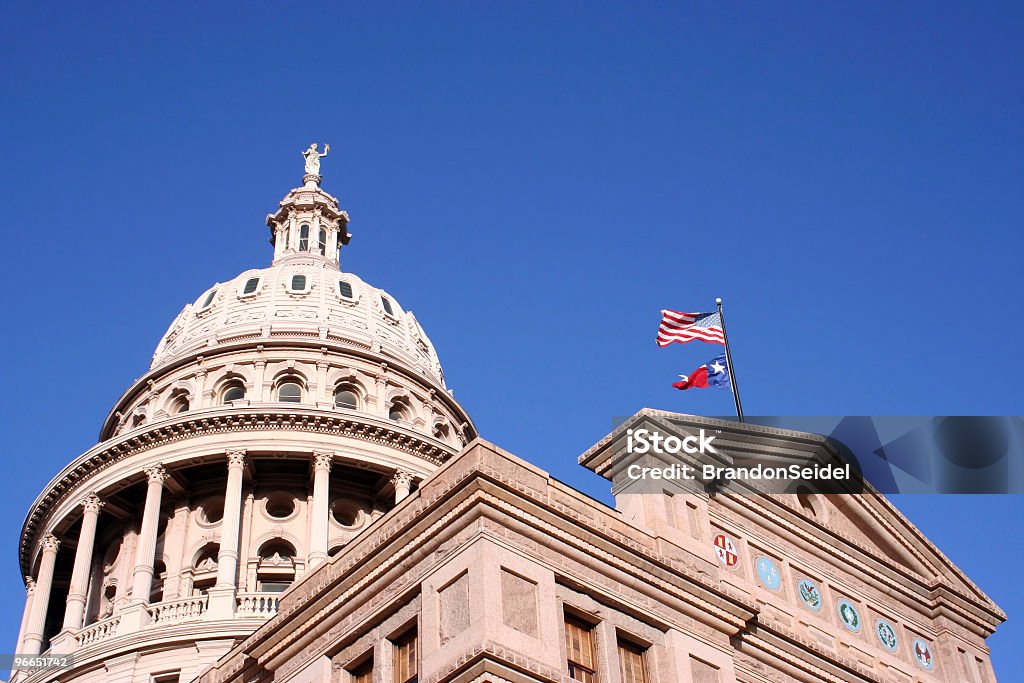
223,420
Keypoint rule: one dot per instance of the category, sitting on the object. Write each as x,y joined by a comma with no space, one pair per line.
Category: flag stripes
685,327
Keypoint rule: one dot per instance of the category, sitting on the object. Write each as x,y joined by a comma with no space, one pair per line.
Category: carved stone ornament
402,479
92,503
236,458
322,460
50,543
156,473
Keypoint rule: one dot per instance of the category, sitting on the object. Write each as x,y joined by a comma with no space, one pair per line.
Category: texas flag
714,373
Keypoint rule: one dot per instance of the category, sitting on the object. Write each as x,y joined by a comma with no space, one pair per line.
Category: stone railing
258,604
101,630
173,611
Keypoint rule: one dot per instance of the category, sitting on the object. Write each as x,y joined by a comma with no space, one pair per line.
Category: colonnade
222,595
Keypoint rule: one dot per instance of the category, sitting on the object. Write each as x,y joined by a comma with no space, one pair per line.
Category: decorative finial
313,163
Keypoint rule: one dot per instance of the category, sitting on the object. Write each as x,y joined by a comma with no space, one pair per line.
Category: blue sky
536,181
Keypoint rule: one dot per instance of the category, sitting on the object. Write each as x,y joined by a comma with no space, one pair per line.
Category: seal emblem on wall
849,615
725,551
809,594
923,655
886,635
768,572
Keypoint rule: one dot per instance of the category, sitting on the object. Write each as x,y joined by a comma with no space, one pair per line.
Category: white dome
300,299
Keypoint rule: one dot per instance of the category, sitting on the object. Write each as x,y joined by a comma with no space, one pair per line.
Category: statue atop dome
313,159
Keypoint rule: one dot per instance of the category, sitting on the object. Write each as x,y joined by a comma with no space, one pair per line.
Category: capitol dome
300,299
284,412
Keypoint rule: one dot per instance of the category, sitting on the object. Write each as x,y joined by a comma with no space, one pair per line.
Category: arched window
276,569
209,298
303,237
344,397
397,411
250,285
322,242
289,391
179,404
233,392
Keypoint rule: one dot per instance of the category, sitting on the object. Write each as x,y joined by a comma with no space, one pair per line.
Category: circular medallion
923,655
769,574
848,615
886,635
809,594
725,551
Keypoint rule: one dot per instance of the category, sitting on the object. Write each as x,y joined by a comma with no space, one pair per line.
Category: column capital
92,503
236,458
259,363
401,478
322,365
156,473
322,460
50,543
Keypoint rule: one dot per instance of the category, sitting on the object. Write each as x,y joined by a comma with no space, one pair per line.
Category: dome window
387,306
345,289
251,285
289,392
209,299
397,412
322,242
303,237
298,283
280,505
346,398
233,392
179,405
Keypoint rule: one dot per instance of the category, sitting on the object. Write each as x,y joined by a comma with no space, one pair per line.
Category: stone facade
291,493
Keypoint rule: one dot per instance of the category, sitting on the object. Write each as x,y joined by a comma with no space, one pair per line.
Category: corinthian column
33,643
83,562
402,482
142,575
318,536
30,591
227,558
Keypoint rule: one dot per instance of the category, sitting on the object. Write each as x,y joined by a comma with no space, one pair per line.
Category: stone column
30,592
319,533
75,610
33,643
222,596
402,481
142,575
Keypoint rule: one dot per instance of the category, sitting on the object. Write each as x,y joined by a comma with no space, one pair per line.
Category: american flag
685,327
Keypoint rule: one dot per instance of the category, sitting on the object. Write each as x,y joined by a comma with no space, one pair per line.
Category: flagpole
728,359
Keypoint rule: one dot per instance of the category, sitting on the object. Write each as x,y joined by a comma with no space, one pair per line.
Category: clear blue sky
536,181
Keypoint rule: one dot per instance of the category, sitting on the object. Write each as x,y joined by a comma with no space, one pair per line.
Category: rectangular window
345,289
631,662
363,673
405,658
250,285
579,650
